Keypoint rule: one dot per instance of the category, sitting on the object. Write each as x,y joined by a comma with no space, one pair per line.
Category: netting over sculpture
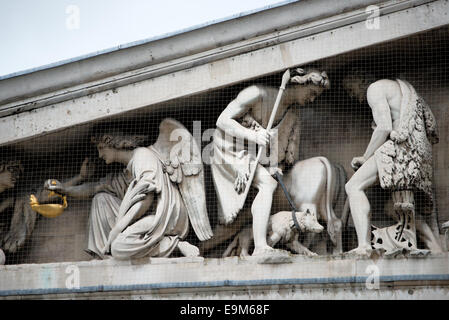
345,156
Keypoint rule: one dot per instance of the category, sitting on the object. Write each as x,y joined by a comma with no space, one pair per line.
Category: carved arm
382,117
236,109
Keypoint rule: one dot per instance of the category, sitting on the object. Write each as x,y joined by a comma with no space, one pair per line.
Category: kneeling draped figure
145,209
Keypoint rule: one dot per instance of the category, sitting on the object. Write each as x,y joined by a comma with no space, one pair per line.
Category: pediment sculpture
267,118
399,158
145,210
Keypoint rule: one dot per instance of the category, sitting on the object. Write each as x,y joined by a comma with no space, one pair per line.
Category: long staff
285,79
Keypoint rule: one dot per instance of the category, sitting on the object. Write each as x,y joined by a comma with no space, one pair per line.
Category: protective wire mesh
335,126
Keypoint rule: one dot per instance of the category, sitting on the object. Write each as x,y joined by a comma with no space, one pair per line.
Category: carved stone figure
9,173
315,184
15,204
281,227
445,228
246,119
399,156
18,219
145,209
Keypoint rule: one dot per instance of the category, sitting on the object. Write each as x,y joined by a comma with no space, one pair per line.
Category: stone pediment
52,121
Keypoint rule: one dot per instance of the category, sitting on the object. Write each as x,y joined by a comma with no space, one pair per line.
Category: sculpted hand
107,247
285,78
273,170
240,182
263,137
54,185
112,236
105,250
87,169
357,162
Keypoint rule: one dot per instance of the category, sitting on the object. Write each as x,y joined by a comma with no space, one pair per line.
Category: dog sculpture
314,184
281,227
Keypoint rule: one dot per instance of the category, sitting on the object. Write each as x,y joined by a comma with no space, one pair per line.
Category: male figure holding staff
248,118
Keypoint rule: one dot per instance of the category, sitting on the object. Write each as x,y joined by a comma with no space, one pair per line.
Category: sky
35,33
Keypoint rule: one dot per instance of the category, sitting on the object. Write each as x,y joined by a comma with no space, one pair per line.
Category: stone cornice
183,51
216,68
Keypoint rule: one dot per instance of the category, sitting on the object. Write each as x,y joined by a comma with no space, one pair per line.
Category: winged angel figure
145,209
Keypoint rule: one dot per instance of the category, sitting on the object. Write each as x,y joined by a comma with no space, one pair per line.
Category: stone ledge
189,276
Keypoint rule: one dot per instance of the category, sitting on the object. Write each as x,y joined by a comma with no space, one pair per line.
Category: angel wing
183,164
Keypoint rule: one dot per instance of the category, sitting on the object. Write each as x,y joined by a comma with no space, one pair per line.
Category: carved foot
2,257
337,250
310,253
401,253
334,230
301,249
419,253
244,253
188,250
394,253
360,251
270,255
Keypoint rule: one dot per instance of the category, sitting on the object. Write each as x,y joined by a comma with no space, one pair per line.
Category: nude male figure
385,98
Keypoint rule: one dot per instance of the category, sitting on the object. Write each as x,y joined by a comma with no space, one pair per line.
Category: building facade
336,51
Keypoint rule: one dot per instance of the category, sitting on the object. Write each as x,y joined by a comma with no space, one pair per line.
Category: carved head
356,84
9,173
108,145
308,222
311,81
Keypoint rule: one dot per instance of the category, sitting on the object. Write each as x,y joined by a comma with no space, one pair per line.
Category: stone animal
281,227
314,184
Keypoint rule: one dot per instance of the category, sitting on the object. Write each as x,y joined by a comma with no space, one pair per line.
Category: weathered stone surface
200,278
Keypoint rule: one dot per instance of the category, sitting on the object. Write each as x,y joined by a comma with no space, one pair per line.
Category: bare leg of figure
224,232
245,241
363,178
428,236
297,247
273,239
261,209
